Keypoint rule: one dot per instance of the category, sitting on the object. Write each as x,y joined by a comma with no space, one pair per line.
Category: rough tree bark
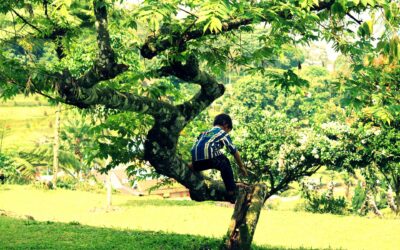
370,204
397,192
396,184
245,217
390,200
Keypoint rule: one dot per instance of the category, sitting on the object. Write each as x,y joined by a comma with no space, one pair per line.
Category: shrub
9,172
46,185
382,201
358,198
67,182
323,203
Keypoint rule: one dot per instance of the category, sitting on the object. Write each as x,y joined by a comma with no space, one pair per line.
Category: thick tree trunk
245,217
370,204
373,206
390,200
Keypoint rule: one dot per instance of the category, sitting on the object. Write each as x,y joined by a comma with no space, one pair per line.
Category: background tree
375,107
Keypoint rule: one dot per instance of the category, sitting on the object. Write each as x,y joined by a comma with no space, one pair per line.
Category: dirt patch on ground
14,215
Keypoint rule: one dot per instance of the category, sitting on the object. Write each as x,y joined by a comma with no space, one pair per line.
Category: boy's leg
224,166
202,165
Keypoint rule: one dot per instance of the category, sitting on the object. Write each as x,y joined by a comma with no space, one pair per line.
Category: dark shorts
220,163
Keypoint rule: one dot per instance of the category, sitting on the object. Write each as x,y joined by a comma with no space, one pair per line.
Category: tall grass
25,120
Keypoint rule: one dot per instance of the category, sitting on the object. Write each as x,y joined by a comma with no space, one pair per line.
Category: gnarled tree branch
111,98
158,43
190,72
105,66
153,45
161,143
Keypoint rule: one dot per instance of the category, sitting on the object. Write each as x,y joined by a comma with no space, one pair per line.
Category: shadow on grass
30,234
4,187
163,203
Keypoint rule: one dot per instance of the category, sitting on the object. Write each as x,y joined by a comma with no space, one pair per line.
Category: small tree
375,150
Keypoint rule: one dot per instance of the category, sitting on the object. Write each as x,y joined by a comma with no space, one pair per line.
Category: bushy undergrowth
12,173
324,202
86,185
358,198
71,183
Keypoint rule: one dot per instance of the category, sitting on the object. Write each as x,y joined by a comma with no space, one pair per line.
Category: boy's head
224,121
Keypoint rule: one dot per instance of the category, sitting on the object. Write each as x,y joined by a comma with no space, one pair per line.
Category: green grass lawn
25,234
28,234
276,228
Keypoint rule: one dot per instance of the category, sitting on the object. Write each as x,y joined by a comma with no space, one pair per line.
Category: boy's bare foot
243,186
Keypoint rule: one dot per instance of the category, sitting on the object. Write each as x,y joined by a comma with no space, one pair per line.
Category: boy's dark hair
222,120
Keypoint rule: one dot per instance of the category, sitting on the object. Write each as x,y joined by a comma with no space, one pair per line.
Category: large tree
102,54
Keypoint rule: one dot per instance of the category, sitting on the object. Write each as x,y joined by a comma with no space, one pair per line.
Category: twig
26,21
271,176
182,40
355,19
21,27
188,12
43,94
45,3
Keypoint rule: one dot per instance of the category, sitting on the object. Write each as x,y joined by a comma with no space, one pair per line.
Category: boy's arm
240,163
233,150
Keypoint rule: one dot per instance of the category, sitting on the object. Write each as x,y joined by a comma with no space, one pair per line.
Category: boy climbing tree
206,153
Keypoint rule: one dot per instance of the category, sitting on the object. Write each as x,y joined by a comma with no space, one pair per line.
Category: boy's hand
240,163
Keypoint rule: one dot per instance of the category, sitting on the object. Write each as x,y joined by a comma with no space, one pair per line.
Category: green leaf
370,24
303,3
337,9
215,25
365,3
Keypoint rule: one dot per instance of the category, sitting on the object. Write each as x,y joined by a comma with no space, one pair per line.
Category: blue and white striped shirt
209,143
